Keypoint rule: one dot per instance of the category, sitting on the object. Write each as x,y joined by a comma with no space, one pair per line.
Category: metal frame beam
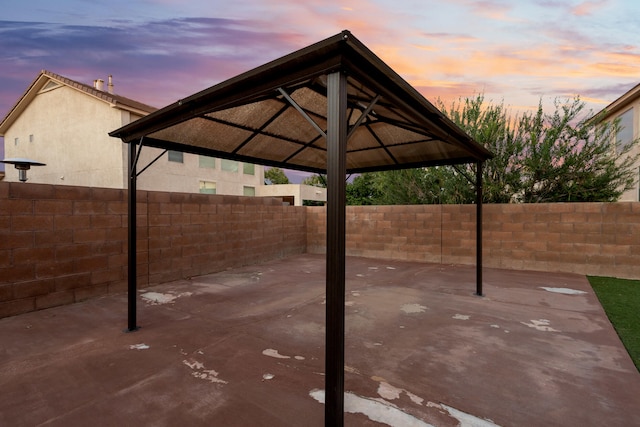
335,264
479,228
132,271
363,115
304,114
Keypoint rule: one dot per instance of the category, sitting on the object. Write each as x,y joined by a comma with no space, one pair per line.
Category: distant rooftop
46,77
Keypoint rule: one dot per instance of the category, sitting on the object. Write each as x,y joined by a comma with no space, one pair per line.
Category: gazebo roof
276,115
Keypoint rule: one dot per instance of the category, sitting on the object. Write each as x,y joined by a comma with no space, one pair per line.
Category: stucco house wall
629,104
299,192
185,177
65,124
68,131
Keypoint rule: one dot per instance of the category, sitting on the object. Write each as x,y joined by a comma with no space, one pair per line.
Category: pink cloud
493,9
588,7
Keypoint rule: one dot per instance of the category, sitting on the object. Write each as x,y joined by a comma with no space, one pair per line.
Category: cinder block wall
61,244
586,238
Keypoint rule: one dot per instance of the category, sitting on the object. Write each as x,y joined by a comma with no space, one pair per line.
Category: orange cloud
588,7
495,10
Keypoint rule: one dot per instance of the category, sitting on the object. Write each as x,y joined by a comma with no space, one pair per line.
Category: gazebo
333,107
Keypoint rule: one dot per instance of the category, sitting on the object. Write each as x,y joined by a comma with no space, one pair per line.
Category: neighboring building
65,124
294,194
627,110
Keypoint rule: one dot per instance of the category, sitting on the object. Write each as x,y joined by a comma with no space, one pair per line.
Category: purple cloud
156,62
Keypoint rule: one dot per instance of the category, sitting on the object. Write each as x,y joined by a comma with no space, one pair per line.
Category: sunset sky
158,51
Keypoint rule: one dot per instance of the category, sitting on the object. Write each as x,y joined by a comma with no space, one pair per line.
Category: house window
207,162
176,156
248,191
31,138
207,187
16,141
249,169
229,165
625,133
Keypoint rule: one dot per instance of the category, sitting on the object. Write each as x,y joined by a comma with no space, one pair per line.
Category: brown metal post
132,236
479,229
335,268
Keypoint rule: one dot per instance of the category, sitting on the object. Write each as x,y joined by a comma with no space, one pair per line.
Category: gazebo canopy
276,115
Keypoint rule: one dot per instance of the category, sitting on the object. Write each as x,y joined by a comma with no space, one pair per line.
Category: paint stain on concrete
267,377
138,347
201,373
385,412
274,353
157,298
391,268
461,317
467,420
351,370
540,325
389,392
565,291
413,308
376,410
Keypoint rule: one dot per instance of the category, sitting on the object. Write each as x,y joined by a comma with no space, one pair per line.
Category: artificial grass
620,299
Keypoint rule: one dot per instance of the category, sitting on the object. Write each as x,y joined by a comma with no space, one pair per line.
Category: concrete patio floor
245,347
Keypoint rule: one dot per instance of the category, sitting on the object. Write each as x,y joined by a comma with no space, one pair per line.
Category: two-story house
626,109
65,124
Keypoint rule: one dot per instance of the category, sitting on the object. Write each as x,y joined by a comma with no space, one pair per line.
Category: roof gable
47,80
620,104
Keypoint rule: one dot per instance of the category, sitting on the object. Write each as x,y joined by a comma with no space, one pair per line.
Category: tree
275,176
492,127
317,180
361,191
572,158
566,156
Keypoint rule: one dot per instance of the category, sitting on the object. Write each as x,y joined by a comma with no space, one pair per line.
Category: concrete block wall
586,238
59,244
195,234
62,244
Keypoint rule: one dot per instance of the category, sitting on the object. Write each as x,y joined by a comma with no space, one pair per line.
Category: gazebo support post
132,236
479,228
335,257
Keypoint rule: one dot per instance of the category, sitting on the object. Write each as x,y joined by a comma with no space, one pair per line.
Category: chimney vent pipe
110,84
98,84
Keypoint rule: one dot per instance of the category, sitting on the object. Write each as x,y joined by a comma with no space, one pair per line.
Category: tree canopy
565,156
275,176
316,180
